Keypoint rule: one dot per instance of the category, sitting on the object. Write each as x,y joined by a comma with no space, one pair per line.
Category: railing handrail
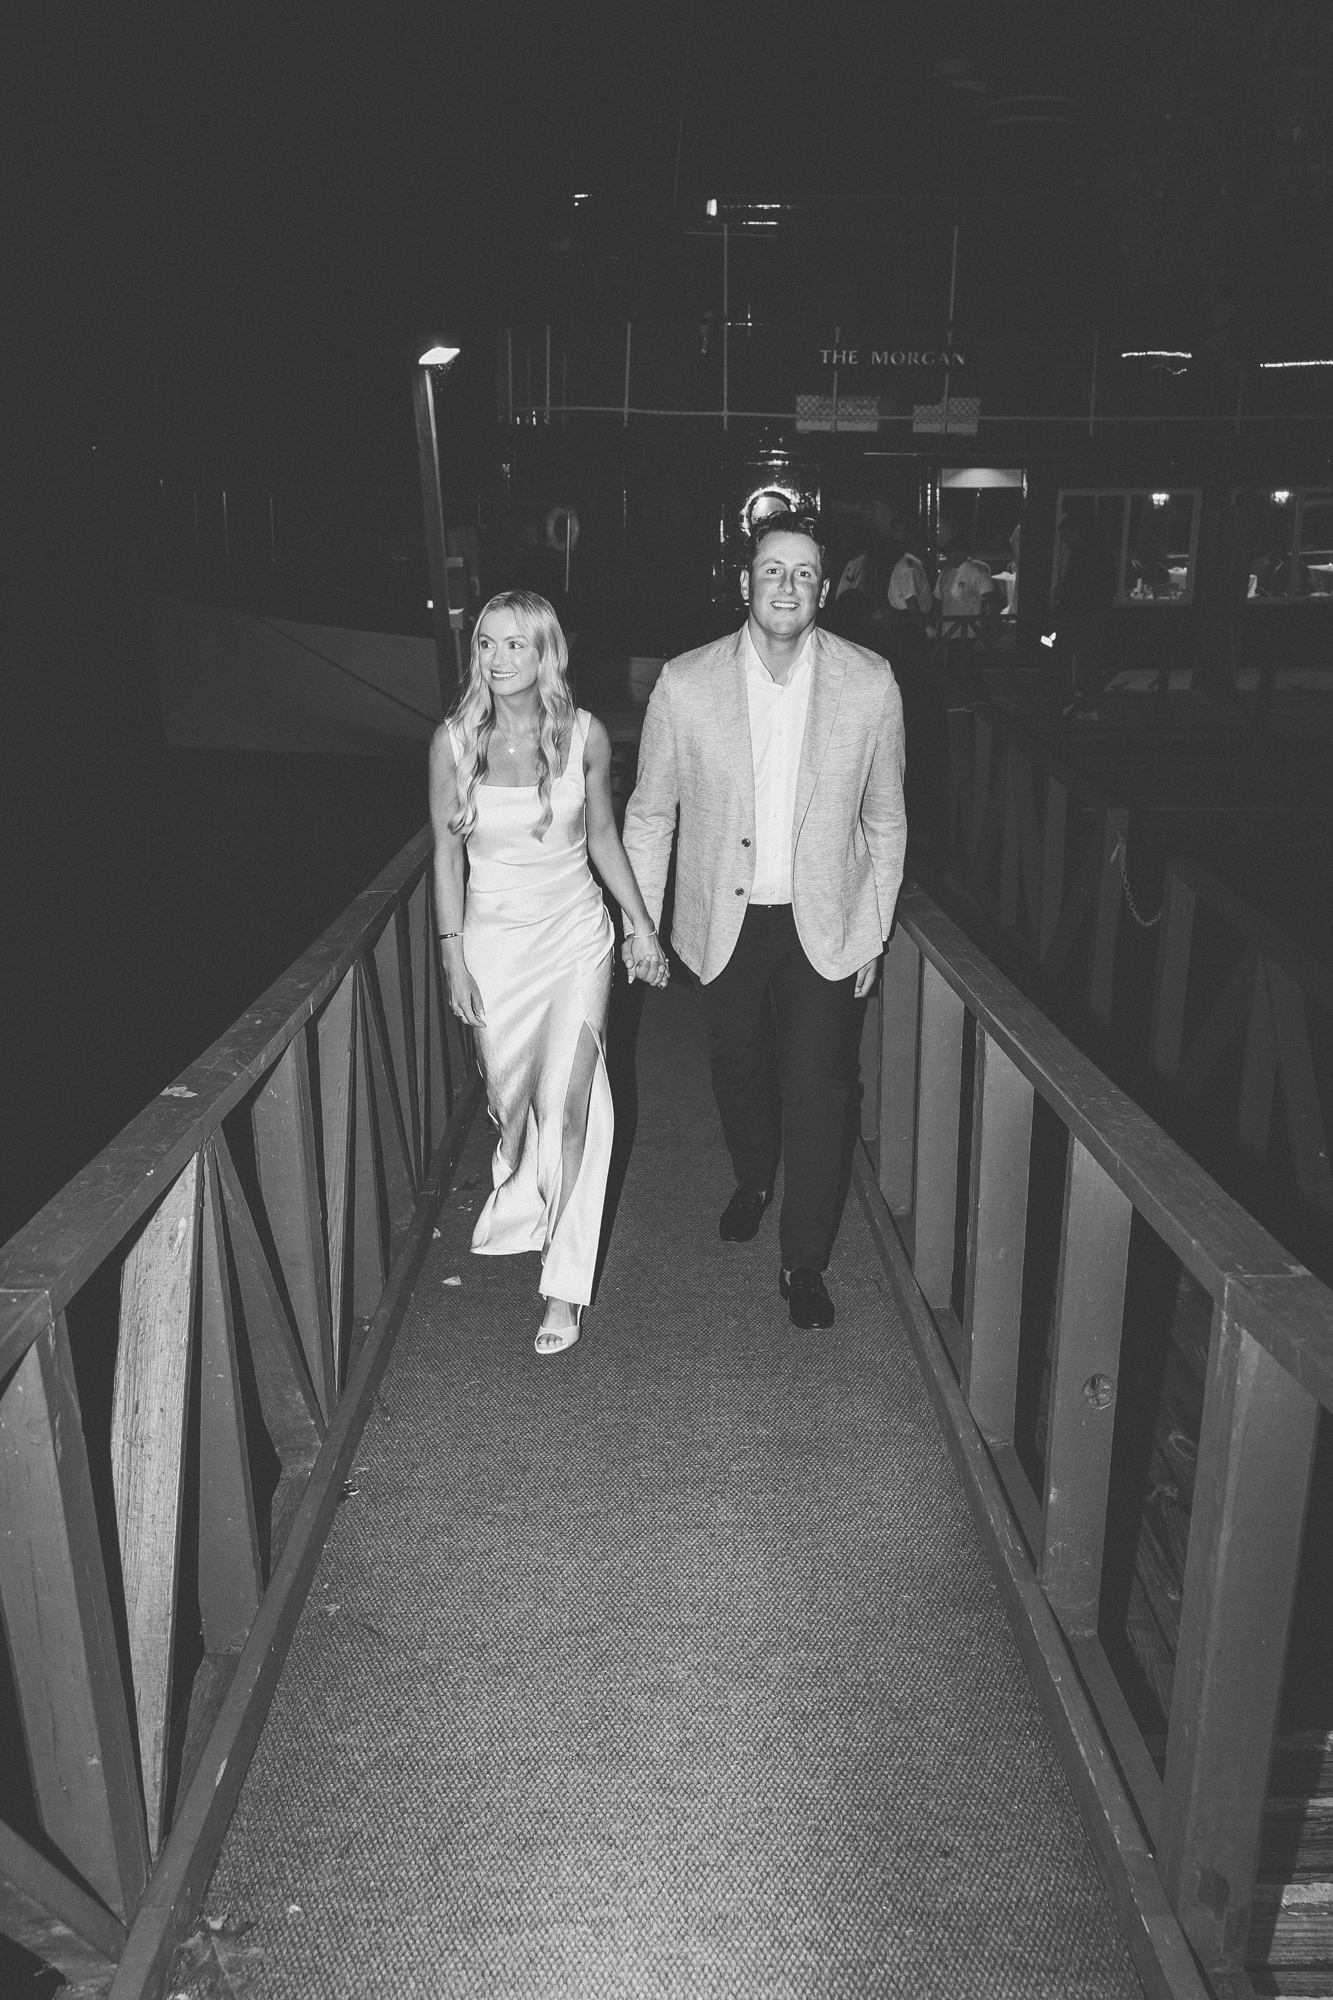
958,1244
1284,1306
46,1262
1074,781
1309,973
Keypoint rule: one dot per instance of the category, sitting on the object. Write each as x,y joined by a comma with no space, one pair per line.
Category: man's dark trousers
768,1001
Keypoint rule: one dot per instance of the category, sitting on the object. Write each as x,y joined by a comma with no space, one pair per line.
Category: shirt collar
755,668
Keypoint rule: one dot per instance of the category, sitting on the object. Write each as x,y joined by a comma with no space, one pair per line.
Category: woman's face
508,658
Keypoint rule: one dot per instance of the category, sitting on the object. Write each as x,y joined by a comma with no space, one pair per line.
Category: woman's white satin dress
538,942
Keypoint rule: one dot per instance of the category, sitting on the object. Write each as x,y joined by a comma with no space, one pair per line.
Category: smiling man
780,750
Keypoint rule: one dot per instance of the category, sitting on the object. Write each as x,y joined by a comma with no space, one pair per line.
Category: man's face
784,588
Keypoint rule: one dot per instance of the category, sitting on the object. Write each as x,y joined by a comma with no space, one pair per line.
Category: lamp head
439,357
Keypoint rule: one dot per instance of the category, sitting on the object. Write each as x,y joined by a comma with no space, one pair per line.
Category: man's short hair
787,523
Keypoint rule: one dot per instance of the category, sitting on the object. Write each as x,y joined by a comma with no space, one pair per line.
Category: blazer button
745,843
740,892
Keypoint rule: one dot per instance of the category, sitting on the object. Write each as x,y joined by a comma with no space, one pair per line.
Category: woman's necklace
512,748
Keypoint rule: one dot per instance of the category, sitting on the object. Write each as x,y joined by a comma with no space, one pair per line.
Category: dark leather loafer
807,1301
742,1214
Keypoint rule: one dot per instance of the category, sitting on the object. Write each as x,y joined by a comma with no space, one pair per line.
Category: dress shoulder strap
578,743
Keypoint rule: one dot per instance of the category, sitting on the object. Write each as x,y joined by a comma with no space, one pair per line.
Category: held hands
645,959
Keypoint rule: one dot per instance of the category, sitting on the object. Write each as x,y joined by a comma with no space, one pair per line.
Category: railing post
868,1073
981,763
959,723
997,1226
1009,844
1258,1075
900,1010
1106,923
336,1031
934,1210
62,1640
149,1419
1173,970
1052,863
1300,1089
1090,1308
1029,846
1256,1448
284,1131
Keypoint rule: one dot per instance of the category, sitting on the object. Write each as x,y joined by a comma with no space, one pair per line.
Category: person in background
1083,600
909,593
860,598
882,538
960,588
520,778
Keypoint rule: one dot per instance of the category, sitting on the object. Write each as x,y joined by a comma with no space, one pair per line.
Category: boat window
1293,554
1151,538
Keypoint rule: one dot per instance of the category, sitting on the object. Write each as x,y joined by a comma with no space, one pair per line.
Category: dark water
146,895
154,896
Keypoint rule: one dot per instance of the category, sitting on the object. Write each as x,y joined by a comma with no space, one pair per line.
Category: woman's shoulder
590,732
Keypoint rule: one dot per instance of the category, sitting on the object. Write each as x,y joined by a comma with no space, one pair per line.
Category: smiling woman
527,943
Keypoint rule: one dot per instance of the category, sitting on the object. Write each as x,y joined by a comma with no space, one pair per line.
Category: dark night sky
255,206
233,222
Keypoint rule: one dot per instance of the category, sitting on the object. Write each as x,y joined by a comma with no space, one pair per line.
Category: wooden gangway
191,1335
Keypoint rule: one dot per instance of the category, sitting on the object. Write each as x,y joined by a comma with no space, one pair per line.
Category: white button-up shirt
777,728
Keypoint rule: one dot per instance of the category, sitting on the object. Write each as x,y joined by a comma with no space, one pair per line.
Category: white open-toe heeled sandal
555,1339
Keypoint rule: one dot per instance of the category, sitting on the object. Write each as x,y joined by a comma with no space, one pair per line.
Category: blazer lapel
732,705
827,674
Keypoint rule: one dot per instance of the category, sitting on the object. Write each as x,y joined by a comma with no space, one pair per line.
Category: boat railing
1266,993
190,1333
1038,846
959,1071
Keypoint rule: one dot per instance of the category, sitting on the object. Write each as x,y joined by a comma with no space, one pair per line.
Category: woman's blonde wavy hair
474,714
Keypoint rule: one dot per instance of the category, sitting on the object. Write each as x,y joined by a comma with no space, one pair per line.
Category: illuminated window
1150,539
1293,553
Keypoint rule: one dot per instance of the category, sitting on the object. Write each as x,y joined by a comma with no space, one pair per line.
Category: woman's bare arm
449,879
610,860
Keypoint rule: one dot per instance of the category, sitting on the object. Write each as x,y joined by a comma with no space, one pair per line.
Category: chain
1144,923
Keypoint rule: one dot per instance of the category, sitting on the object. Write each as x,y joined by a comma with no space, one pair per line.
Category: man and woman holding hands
774,758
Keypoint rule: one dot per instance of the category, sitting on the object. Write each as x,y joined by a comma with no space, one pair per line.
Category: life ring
562,529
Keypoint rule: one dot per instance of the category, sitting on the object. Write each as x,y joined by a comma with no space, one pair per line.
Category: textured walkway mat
668,1666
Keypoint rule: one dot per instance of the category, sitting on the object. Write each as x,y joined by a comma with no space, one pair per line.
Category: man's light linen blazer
849,830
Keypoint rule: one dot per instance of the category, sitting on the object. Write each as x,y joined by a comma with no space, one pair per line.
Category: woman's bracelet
442,935
650,932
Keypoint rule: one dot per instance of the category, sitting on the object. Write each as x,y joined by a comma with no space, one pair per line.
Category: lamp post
447,622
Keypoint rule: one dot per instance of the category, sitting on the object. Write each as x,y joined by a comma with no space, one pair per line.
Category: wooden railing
1265,994
964,642
189,1336
945,1180
1037,845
